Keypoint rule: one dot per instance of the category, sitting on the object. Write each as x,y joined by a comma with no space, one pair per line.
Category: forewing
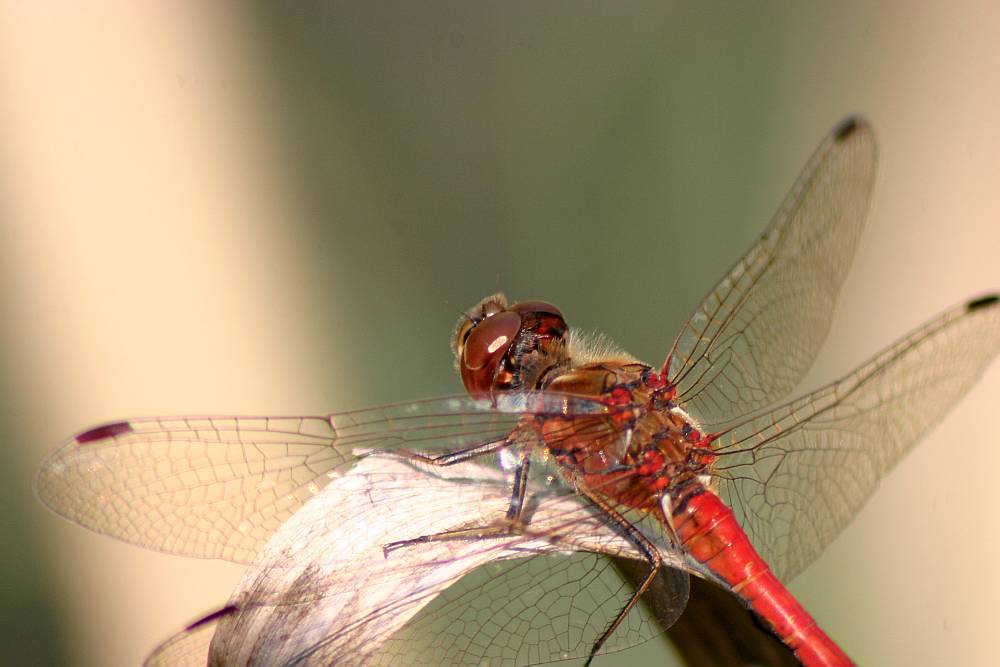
757,332
218,487
323,592
797,475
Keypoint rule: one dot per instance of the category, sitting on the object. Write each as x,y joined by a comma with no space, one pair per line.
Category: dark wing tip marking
103,431
215,615
982,302
847,127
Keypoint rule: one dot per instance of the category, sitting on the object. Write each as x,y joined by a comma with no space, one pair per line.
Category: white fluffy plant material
322,591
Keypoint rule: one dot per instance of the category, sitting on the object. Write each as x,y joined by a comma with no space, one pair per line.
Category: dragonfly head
500,347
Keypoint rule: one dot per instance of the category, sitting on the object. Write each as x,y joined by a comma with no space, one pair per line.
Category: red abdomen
708,530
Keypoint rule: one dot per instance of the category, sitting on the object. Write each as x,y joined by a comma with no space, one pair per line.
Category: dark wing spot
103,431
215,615
982,302
846,128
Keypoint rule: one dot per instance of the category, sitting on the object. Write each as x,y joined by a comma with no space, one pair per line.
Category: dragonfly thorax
642,450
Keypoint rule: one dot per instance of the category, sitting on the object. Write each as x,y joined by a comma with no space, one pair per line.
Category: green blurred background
256,208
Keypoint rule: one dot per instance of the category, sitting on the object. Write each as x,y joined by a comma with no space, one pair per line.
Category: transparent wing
503,600
796,475
218,487
189,647
757,332
528,611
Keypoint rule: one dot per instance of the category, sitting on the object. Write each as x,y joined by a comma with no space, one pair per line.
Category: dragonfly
557,509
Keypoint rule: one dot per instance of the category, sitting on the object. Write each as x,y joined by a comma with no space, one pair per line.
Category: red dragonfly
555,511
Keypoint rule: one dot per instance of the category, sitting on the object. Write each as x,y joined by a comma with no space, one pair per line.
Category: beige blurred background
246,208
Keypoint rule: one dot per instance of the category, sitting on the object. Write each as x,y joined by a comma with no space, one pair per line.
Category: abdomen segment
708,530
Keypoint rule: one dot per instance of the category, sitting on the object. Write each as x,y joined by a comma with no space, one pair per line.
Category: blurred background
254,208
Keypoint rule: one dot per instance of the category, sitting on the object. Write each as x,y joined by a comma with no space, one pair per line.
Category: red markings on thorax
639,448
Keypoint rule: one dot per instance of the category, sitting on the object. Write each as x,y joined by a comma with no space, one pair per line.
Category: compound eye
463,333
537,308
490,339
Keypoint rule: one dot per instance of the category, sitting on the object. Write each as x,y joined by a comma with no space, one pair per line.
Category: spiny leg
448,458
646,548
511,523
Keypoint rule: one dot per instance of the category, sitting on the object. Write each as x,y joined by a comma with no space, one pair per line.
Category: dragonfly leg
649,552
511,524
448,458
